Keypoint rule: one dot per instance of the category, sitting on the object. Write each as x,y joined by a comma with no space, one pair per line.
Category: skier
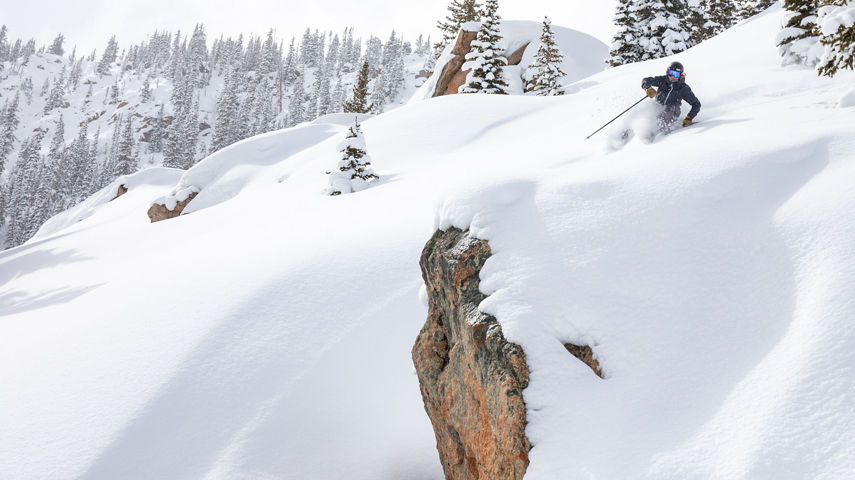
670,91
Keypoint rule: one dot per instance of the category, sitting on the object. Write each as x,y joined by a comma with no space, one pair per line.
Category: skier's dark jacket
672,94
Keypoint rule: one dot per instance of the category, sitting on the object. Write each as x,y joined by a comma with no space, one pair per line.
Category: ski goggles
675,73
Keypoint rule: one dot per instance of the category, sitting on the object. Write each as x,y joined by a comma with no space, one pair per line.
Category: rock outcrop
160,211
453,76
471,377
121,191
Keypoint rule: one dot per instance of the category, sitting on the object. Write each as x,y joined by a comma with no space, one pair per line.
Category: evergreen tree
56,47
114,93
459,12
4,43
145,93
228,107
155,144
78,159
197,57
547,76
354,171
45,88
8,126
126,161
626,47
297,105
392,78
27,89
94,176
374,55
74,76
337,98
359,102
56,99
799,36
54,170
484,60
837,27
749,8
665,33
109,56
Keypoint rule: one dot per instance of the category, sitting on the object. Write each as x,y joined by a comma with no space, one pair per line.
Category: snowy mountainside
268,335
177,115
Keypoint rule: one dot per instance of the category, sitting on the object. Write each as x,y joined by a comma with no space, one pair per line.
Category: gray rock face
471,377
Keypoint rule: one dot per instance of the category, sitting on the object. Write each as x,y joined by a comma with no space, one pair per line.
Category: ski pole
621,113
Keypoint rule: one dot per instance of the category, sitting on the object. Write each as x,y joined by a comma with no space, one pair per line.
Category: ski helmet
675,71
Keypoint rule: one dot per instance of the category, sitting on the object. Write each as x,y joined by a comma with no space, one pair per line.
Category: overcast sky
89,23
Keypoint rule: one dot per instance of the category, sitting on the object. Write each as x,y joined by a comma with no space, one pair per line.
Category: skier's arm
648,82
692,100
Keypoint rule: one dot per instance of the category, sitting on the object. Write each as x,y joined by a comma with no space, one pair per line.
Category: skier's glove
687,122
651,92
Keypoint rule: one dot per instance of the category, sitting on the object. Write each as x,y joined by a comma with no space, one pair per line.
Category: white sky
89,23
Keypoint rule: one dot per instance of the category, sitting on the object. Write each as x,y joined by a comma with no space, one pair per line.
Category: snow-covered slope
268,335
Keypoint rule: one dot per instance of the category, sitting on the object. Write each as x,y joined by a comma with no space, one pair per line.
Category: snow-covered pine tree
56,46
799,36
197,57
393,69
155,144
145,92
114,93
484,60
126,161
749,8
665,31
228,107
289,67
547,76
109,56
78,159
354,171
74,76
56,99
374,55
27,89
297,105
8,126
459,12
45,87
337,98
4,43
55,169
626,47
359,102
190,127
837,27
25,182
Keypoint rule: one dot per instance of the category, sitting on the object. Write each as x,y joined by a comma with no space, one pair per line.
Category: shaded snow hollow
268,334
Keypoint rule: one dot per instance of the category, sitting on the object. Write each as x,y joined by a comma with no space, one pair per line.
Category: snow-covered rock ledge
471,378
171,206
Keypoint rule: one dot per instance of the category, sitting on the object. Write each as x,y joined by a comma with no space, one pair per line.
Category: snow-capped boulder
171,206
470,377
